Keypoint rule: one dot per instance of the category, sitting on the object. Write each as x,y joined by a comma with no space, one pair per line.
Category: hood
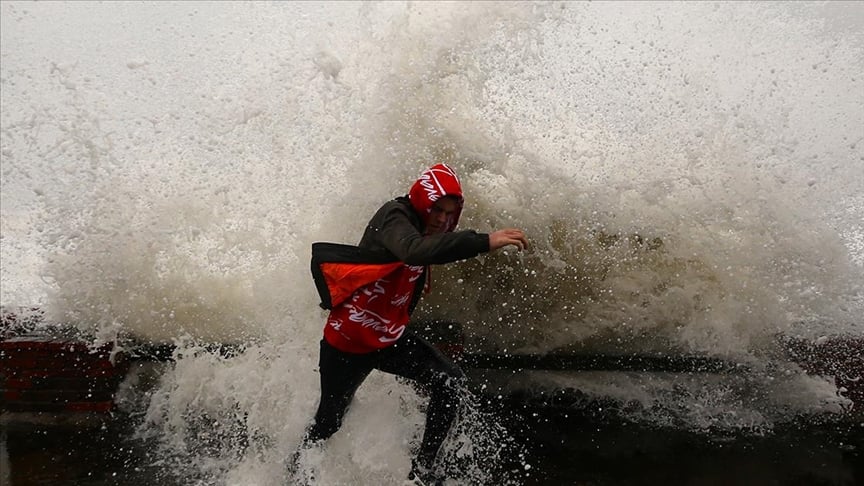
434,183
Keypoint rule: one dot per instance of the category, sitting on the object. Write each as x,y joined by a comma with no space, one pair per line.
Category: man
371,290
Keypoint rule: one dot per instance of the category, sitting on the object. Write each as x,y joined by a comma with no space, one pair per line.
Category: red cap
434,183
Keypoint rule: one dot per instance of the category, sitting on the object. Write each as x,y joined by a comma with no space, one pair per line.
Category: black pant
411,357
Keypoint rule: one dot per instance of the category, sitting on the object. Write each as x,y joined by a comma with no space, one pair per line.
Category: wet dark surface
82,449
576,451
562,448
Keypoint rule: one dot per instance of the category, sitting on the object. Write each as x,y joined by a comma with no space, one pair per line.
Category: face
440,216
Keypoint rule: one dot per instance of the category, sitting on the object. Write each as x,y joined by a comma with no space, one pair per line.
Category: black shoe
424,476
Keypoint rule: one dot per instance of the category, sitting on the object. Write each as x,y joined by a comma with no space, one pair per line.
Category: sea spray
686,174
669,192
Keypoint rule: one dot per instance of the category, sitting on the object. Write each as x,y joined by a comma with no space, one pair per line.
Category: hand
509,236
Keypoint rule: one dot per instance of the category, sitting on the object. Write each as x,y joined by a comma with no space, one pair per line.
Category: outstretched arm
398,234
393,229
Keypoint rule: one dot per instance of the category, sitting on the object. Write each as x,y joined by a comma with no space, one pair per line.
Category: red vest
375,315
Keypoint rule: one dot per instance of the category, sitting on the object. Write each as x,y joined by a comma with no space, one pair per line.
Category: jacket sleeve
398,235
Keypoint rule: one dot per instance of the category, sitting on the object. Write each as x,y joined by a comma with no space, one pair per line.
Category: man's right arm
400,236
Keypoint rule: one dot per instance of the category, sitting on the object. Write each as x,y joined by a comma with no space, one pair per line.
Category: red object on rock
55,374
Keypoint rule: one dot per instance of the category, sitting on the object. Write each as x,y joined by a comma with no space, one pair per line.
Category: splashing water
690,177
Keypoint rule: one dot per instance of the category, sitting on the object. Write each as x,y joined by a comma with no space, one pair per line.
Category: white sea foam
689,175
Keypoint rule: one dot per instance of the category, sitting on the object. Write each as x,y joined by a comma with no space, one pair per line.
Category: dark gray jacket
397,229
